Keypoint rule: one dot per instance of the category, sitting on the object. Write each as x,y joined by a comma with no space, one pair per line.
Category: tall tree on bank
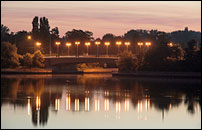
54,37
35,28
41,33
45,34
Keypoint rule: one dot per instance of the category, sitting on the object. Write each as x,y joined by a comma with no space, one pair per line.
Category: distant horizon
109,32
102,17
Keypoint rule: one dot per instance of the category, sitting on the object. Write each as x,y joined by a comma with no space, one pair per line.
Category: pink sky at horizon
101,17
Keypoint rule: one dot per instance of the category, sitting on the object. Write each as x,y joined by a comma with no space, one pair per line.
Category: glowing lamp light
107,43
57,43
148,43
140,43
127,43
87,43
77,43
97,43
68,44
29,37
38,44
118,43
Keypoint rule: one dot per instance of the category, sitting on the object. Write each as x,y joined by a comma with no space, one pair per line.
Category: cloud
104,16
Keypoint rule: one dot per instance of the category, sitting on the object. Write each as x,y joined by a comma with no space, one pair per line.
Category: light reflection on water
105,100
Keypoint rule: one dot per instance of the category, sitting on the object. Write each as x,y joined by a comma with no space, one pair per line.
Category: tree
35,28
128,62
4,33
156,58
45,34
79,35
27,60
192,57
54,37
9,56
176,53
23,44
38,59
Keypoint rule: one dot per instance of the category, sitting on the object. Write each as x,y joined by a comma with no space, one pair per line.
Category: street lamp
29,37
170,44
87,44
38,44
118,43
77,43
140,44
148,44
57,43
68,45
107,44
127,44
97,43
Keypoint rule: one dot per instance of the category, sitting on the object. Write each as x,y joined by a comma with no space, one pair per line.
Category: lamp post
140,44
29,37
107,44
97,43
77,43
38,44
68,45
50,46
118,44
170,44
127,44
87,44
57,43
148,44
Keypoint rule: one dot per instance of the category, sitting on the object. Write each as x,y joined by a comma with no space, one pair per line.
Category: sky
101,17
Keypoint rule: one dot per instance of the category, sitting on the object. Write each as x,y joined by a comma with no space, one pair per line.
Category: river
99,101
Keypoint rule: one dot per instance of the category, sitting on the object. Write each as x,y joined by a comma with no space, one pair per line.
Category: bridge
68,63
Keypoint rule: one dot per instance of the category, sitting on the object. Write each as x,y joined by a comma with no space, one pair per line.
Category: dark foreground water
99,101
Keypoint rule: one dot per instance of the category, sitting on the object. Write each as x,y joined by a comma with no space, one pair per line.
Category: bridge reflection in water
113,97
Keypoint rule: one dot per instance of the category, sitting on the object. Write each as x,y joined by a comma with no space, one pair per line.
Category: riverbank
160,74
49,71
26,71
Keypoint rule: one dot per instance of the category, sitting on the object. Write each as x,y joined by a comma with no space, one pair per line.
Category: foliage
84,66
35,28
38,59
176,53
192,57
79,35
128,62
27,60
4,33
9,56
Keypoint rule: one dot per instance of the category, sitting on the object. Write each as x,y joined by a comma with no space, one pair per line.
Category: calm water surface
99,101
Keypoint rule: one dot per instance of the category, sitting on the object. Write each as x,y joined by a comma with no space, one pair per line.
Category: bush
9,56
38,59
27,60
128,62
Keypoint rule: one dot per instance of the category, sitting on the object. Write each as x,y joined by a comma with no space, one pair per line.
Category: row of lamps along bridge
97,43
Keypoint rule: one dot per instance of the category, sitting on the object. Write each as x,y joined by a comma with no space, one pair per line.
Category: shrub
27,60
38,60
9,56
128,62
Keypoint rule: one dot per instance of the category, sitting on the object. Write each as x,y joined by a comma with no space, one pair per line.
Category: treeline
42,32
184,55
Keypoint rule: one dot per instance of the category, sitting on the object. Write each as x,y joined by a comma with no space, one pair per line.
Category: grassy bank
26,71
